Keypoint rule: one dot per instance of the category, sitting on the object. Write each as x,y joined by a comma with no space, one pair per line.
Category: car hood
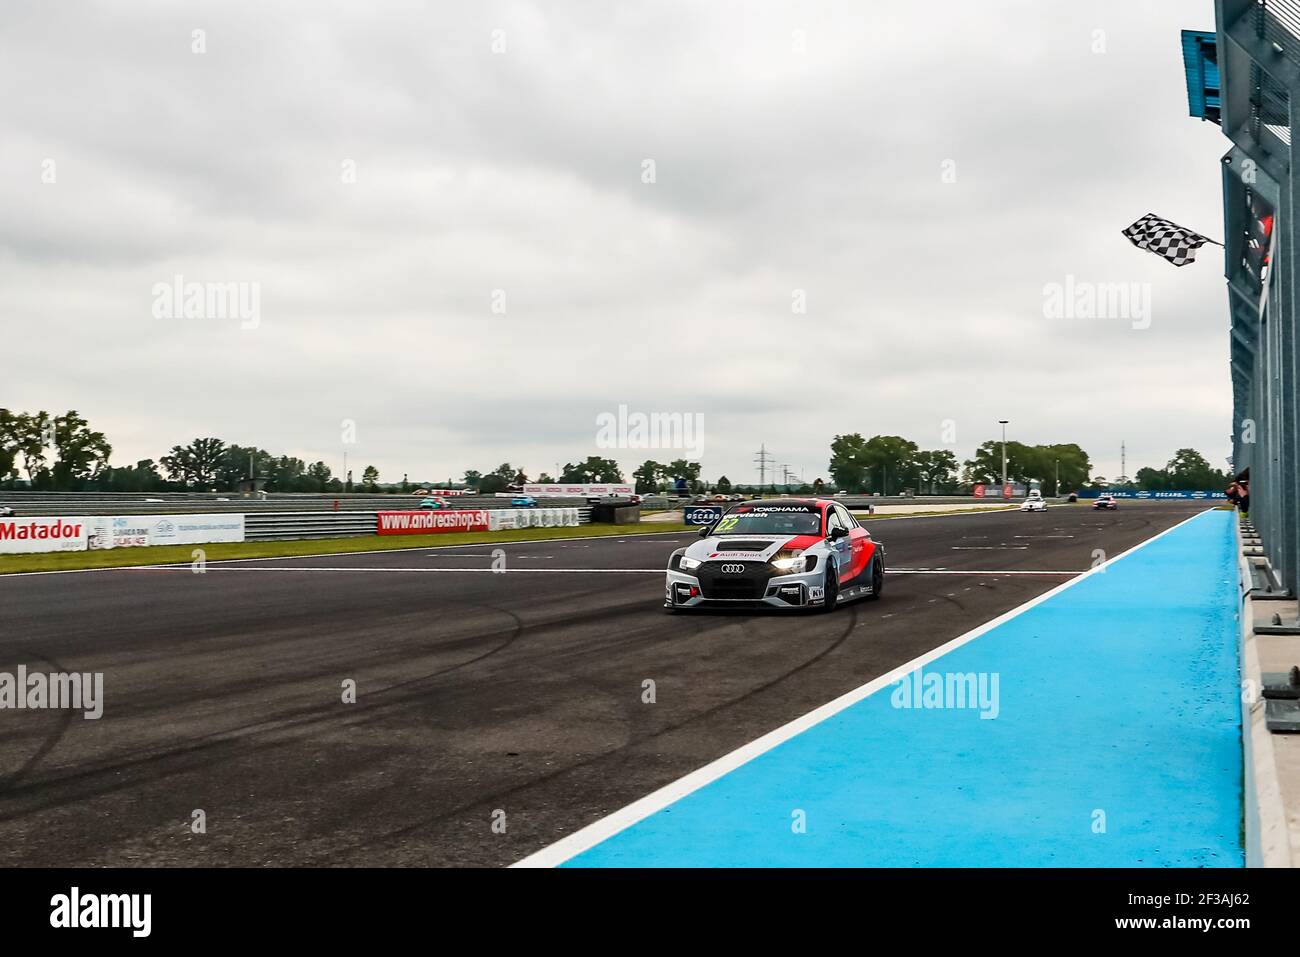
752,548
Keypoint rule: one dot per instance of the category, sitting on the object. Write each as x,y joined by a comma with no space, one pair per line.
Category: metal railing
287,526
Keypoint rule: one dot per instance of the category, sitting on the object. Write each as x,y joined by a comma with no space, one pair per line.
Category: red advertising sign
432,521
979,491
1006,491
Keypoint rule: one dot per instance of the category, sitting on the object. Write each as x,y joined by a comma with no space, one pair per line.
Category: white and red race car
784,553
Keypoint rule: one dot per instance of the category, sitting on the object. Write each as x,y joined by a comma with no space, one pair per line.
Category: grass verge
178,554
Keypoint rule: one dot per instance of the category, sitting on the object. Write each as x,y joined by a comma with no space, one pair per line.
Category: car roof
796,502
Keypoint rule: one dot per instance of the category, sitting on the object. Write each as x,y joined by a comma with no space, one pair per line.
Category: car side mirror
838,532
704,532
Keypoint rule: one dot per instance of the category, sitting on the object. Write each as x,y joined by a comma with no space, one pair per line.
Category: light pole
1003,423
1056,486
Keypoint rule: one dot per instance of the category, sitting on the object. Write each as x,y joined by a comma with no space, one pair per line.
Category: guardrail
285,526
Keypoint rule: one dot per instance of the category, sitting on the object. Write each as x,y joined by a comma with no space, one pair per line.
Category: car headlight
790,563
686,564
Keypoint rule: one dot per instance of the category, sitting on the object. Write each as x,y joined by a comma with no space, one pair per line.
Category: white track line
605,828
419,571
546,571
364,551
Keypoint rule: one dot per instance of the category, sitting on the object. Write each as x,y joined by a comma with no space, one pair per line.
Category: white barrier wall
139,531
78,533
499,518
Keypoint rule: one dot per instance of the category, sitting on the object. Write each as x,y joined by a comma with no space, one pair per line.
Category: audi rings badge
733,569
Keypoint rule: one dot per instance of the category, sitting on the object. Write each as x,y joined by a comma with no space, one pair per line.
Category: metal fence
1258,51
281,526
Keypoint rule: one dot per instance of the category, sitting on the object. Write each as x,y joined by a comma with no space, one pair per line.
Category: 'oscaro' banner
42,535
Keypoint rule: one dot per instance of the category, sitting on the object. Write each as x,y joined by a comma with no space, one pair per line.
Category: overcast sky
796,147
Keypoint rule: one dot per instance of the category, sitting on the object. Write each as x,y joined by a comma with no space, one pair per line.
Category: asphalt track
495,713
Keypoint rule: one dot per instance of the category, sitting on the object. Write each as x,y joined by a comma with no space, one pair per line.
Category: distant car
523,501
6,511
1033,505
1106,501
420,492
842,493
1072,497
434,502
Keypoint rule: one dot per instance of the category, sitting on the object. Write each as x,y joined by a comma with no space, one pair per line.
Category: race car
434,502
785,553
1033,505
523,501
1106,501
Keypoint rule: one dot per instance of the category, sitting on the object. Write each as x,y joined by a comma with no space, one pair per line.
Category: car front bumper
802,590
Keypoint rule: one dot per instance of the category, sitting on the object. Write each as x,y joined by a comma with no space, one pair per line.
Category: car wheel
877,578
830,589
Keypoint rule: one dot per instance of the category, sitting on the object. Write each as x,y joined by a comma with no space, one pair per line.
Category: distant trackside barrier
1143,494
59,533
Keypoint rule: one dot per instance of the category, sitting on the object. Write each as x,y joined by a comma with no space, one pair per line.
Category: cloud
799,150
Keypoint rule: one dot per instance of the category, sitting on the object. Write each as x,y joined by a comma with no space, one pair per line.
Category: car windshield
774,521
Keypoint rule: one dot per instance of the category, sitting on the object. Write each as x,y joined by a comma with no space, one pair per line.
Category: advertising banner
43,534
702,514
1144,494
578,489
433,521
141,531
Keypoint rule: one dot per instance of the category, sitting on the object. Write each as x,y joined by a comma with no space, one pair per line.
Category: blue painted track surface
1116,697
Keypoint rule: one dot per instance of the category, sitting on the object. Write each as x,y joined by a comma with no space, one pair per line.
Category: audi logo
733,569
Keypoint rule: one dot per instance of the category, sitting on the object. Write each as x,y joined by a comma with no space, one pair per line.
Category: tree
9,441
141,477
595,469
545,479
892,457
848,462
288,474
936,468
195,464
1027,463
723,484
498,480
370,478
472,478
82,452
32,435
647,476
320,475
235,463
1188,470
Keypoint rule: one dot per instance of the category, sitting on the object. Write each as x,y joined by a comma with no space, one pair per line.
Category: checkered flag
1164,238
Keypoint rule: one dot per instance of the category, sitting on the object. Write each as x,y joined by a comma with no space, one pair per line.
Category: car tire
830,589
877,578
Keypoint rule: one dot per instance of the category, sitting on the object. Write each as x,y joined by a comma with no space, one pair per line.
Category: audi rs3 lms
789,553
1106,501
